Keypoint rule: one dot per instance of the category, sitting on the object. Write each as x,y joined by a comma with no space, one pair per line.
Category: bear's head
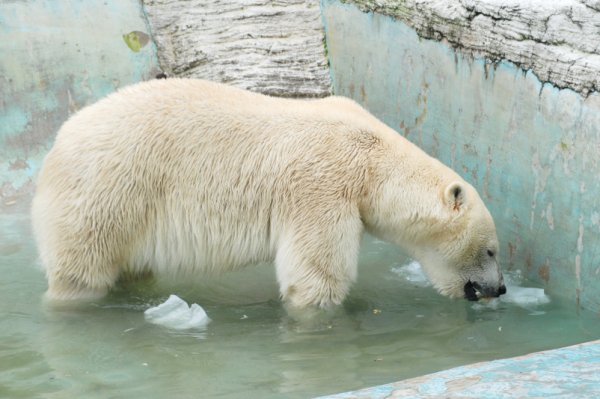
462,261
447,228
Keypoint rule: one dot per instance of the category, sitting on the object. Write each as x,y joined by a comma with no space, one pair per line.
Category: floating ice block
175,313
525,296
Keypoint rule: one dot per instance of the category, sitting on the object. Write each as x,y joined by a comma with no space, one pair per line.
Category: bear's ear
454,195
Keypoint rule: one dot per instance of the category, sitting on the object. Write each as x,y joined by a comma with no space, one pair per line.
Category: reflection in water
390,328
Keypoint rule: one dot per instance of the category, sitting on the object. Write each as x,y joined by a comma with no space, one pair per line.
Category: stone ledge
559,41
270,47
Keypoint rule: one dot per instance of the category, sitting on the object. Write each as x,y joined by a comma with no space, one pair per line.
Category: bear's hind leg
317,262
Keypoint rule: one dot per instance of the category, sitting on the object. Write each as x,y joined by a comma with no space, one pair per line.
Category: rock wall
559,41
272,47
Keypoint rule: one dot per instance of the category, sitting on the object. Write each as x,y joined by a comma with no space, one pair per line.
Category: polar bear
188,176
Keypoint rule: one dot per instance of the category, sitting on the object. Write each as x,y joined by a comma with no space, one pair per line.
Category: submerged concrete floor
570,372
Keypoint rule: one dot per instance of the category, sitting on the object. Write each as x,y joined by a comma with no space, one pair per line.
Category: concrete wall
55,57
58,56
530,148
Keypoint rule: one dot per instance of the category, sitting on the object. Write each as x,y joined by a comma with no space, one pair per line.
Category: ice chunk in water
412,272
525,296
175,313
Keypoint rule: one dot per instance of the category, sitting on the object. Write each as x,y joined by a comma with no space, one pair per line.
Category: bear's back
186,109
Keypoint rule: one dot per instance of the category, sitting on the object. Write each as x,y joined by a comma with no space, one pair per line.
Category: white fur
187,176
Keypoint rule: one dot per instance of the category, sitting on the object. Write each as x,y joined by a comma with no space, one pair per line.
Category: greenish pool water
389,329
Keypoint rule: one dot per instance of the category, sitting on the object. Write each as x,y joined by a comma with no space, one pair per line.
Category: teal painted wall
530,149
56,57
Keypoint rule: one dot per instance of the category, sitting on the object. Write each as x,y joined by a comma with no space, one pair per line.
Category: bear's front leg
317,260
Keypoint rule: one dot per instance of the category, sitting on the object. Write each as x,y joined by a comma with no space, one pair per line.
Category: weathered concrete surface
571,372
56,57
530,148
272,47
558,40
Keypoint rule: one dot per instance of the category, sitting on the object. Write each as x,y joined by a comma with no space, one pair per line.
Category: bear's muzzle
474,291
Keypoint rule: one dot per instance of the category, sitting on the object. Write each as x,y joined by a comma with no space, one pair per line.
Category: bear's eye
490,253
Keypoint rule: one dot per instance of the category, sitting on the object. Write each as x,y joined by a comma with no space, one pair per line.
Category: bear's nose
502,290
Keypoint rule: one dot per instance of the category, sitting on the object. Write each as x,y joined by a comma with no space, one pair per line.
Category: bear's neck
403,203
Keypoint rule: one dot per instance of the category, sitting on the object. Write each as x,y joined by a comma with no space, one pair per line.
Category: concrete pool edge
557,372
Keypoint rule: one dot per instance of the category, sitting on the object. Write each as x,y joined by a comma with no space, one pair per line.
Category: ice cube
525,296
175,313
